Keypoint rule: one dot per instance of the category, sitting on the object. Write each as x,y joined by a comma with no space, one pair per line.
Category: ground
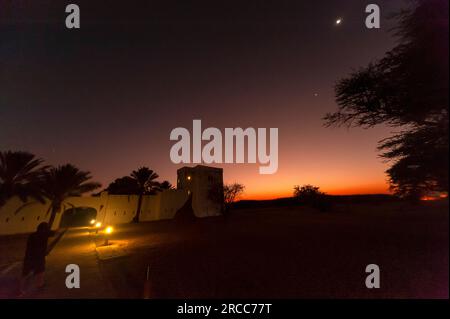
289,252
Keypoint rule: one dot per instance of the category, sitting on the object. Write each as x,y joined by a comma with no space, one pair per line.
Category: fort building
195,186
204,184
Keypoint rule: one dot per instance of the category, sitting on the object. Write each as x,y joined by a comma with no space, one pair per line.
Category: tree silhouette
422,160
312,196
59,183
231,192
408,89
307,192
123,186
166,185
147,184
225,194
19,176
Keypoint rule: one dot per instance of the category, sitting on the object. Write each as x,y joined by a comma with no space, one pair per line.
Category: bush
312,196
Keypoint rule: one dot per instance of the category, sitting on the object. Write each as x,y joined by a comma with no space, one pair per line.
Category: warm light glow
98,224
189,178
109,230
339,21
434,196
92,221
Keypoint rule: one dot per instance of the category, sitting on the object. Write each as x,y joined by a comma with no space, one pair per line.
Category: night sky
106,97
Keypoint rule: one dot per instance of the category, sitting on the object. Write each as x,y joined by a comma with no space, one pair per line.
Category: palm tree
146,180
59,183
19,175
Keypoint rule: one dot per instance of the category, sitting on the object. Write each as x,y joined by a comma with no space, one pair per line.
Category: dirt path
75,247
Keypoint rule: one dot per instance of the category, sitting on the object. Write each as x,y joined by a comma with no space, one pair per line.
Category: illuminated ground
75,247
271,252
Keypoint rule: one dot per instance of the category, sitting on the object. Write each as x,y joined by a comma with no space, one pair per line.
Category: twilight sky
106,97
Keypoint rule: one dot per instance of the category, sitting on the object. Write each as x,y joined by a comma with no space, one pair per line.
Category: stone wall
17,217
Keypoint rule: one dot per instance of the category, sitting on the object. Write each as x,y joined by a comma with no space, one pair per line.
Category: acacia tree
407,89
231,192
226,194
307,192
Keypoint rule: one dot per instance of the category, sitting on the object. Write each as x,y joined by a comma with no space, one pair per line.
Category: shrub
312,196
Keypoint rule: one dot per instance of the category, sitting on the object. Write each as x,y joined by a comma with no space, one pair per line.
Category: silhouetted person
34,260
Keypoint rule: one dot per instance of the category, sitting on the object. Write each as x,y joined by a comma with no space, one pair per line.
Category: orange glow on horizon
434,197
427,198
339,162
351,191
338,179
